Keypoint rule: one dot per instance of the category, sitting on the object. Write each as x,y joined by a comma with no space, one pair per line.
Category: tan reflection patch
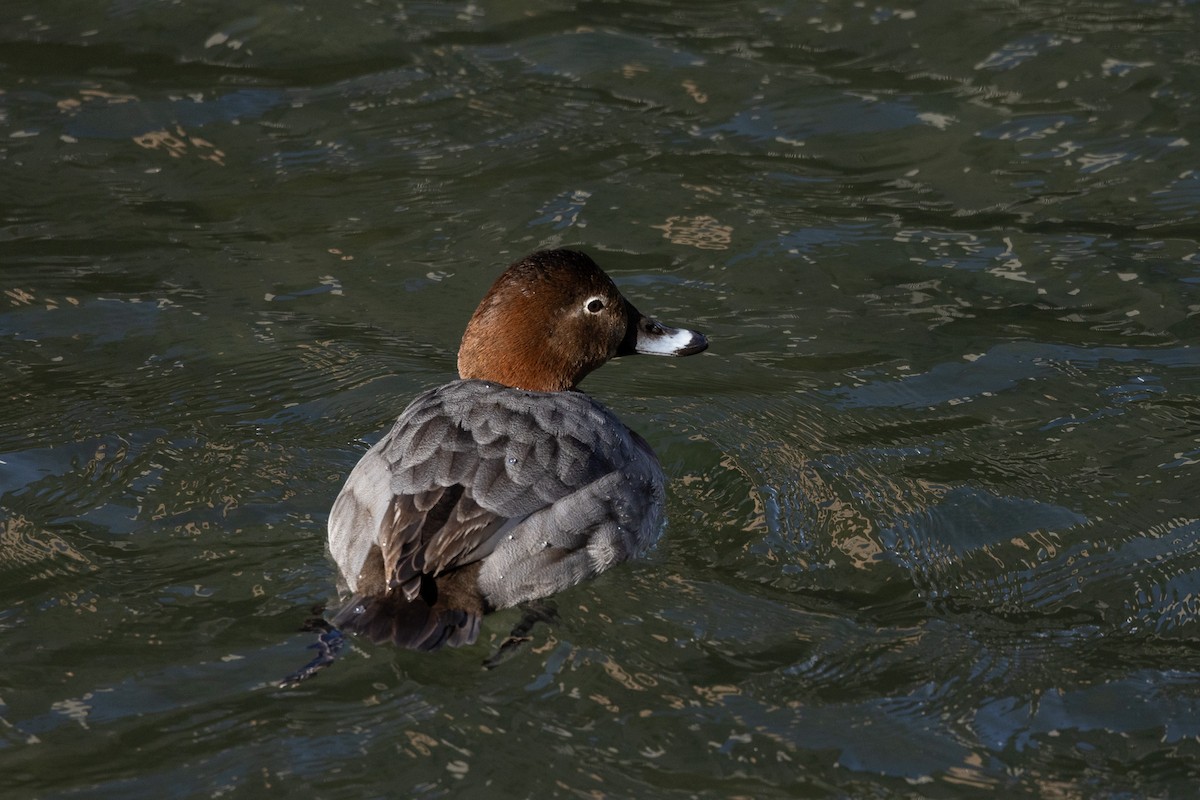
72,104
971,773
178,143
618,673
23,544
694,92
717,692
421,743
23,297
862,550
607,704
703,232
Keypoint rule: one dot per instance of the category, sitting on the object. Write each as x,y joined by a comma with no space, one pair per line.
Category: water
934,527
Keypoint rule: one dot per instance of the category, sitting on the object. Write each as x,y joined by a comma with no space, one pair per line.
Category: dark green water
934,492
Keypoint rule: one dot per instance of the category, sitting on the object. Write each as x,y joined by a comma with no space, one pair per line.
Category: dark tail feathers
446,613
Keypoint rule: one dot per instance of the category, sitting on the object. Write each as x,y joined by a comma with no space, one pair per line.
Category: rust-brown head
553,317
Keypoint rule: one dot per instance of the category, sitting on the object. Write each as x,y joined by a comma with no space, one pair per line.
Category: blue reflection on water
837,114
1000,368
96,121
968,518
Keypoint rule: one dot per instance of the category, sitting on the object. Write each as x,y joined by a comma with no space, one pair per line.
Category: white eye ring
593,305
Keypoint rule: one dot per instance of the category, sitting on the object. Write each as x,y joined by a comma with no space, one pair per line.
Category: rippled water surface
934,492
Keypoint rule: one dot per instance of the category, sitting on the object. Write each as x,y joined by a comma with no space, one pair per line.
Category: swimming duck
509,484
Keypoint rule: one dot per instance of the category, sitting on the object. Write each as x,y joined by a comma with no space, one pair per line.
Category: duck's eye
595,305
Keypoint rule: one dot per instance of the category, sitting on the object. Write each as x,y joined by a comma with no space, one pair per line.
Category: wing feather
467,463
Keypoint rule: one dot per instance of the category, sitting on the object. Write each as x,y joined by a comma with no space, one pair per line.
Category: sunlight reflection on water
932,491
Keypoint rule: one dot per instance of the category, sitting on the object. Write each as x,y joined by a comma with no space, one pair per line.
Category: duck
507,485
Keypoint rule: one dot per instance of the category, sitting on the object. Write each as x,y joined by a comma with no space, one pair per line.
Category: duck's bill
650,337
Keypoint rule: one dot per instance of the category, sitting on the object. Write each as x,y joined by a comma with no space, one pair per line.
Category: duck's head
553,317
